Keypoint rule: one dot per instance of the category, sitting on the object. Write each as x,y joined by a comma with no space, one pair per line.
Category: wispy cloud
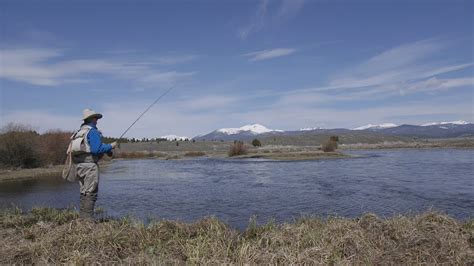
435,84
289,8
396,71
269,54
397,67
256,23
191,117
50,67
177,59
285,9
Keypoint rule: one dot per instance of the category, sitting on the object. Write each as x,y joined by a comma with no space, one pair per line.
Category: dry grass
52,236
52,147
238,148
194,154
139,154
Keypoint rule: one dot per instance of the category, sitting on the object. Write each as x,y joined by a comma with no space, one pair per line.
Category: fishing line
144,112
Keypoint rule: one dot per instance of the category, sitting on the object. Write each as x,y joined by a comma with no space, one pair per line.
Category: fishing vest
79,146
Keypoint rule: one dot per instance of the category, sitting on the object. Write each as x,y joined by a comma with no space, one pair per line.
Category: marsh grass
238,148
59,236
194,154
139,154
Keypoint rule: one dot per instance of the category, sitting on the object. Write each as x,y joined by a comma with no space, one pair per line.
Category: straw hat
88,113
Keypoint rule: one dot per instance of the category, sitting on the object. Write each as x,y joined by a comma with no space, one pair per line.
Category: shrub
256,143
238,148
18,146
53,146
331,144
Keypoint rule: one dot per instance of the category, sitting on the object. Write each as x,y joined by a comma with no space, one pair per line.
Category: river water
385,182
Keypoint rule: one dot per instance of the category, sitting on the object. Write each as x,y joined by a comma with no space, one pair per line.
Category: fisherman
87,168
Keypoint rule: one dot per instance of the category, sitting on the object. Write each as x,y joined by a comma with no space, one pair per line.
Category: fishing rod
146,110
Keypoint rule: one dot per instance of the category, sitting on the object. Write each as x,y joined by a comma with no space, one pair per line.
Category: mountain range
429,130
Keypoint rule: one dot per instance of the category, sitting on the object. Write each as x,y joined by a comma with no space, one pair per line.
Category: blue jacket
94,137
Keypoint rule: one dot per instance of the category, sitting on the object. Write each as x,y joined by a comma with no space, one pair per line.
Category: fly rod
146,110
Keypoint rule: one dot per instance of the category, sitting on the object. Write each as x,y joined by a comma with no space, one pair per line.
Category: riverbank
455,143
33,173
22,174
58,236
185,150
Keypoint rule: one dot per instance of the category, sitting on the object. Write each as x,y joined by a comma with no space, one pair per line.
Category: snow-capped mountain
254,129
431,130
244,132
380,126
459,122
173,137
310,128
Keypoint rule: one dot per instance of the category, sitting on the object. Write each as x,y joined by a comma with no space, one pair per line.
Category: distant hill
430,130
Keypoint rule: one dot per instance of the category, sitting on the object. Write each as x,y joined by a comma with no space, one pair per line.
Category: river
385,182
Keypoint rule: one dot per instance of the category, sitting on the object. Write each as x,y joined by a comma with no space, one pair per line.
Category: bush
18,146
238,148
21,146
256,143
331,144
53,146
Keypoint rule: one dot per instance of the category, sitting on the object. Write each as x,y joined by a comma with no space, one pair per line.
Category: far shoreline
270,152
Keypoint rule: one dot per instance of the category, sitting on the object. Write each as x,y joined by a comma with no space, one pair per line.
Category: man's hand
114,144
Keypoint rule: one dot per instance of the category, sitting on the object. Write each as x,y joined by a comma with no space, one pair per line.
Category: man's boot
87,206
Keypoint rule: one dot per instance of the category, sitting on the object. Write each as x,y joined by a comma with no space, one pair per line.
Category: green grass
59,236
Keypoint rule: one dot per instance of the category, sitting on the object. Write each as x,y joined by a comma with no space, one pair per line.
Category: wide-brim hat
88,113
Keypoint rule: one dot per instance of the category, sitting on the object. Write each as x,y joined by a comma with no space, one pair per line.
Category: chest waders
87,171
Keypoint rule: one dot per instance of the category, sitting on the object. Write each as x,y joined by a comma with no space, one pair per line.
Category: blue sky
286,64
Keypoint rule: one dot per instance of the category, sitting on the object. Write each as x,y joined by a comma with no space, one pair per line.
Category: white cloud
289,8
42,120
285,10
49,67
257,21
190,117
403,69
269,54
436,84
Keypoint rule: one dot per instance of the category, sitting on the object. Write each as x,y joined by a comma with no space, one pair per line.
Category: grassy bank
53,171
20,174
54,236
